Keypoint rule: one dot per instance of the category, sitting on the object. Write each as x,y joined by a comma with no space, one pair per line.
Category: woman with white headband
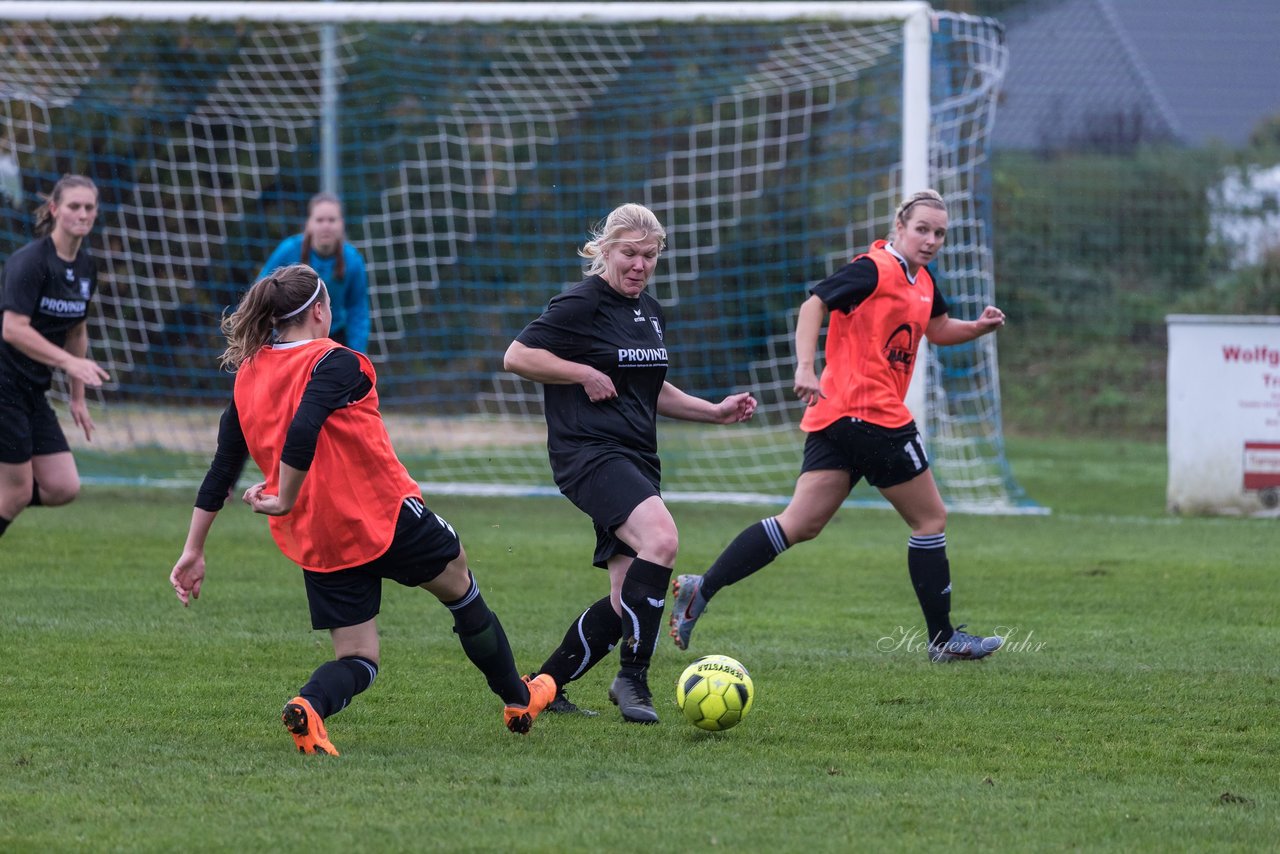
341,504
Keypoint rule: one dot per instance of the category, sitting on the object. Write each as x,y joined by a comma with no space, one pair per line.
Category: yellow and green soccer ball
715,693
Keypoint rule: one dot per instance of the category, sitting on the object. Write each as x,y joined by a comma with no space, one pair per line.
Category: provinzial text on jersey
641,356
62,307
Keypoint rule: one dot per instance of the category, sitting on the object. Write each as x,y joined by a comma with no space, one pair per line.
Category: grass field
1135,709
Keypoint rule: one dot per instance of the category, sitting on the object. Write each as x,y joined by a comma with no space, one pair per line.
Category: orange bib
347,508
871,350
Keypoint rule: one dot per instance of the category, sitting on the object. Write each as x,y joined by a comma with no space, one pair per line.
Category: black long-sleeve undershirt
336,381
848,287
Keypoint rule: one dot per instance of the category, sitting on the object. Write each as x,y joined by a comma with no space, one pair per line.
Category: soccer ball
715,693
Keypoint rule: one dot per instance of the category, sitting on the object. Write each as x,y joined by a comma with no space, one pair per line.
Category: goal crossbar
915,15
330,13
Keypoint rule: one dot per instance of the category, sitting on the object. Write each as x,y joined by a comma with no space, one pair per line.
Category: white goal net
474,145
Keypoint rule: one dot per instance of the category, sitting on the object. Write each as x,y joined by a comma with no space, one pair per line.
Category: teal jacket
349,296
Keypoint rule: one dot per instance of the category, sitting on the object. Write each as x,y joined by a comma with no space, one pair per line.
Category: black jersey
593,324
54,293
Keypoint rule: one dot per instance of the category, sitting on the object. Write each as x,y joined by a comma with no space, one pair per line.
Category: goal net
475,145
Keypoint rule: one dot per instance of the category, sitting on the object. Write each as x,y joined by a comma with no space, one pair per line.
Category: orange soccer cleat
306,727
542,690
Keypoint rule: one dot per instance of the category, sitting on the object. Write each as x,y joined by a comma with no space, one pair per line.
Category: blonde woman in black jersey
600,351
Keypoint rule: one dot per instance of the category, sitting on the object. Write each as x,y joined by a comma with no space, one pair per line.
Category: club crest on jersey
899,351
84,288
656,327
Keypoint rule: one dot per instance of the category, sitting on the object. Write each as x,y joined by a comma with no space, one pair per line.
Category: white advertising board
1224,415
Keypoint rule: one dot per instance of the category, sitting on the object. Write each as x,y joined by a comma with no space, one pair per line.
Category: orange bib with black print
347,508
871,349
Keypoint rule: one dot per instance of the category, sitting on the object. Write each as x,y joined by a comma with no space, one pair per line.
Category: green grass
1134,711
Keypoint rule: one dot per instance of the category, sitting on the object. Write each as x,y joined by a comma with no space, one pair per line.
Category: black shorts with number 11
884,456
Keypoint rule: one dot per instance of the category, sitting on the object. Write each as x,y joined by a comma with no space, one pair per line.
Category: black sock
931,577
754,548
644,593
4,525
35,495
587,641
485,643
334,683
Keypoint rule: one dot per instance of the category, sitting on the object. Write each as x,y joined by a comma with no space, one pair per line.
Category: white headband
311,299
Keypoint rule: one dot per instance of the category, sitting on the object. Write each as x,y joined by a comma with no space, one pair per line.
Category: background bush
1092,251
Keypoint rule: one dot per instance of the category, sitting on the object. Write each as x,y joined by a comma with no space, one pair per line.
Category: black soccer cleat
632,697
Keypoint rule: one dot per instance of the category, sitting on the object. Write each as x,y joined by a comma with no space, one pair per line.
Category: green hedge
1092,251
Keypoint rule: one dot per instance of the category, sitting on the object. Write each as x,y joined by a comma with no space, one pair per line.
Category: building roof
1111,73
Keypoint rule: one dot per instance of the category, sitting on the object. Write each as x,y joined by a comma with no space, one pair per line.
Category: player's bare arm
809,323
277,505
188,573
944,330
19,333
674,403
543,366
78,345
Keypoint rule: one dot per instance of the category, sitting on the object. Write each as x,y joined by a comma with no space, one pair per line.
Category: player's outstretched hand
264,502
187,576
87,371
80,415
991,319
736,407
599,387
807,387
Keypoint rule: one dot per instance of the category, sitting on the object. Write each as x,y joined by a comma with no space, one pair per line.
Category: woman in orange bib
340,503
876,308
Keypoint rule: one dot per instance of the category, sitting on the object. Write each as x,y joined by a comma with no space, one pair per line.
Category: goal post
474,144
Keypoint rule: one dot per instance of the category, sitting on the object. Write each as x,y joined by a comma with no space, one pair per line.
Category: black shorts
28,425
885,457
609,492
424,544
